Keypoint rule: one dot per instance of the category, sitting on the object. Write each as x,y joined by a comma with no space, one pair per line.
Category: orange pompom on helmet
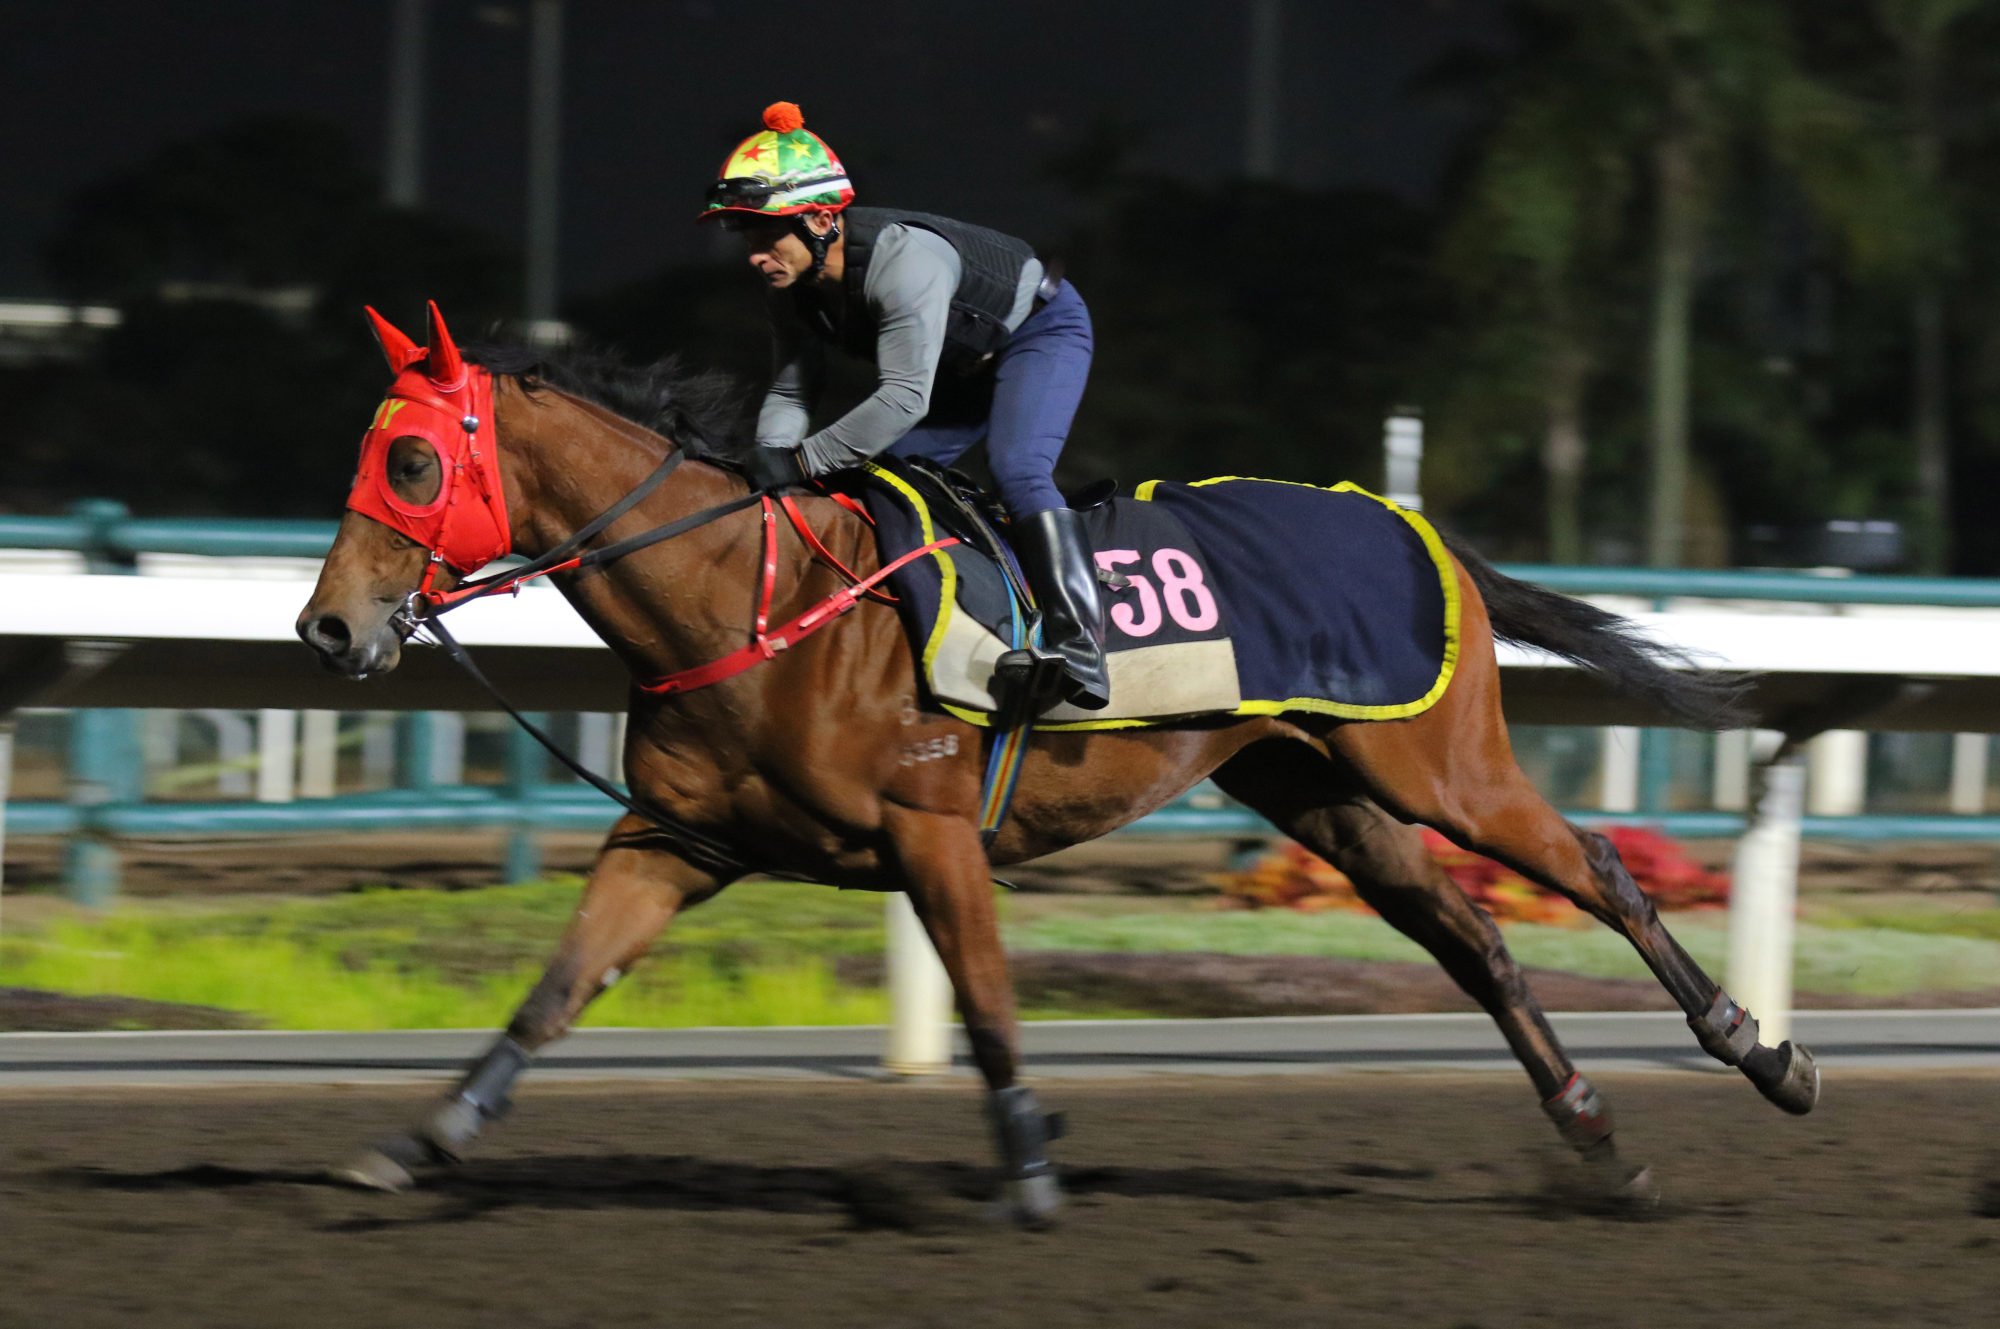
784,171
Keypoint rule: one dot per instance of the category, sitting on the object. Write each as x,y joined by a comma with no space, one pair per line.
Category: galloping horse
804,764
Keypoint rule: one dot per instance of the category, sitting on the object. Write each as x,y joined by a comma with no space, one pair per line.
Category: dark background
1470,214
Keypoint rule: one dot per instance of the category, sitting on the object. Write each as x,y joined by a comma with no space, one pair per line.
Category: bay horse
825,761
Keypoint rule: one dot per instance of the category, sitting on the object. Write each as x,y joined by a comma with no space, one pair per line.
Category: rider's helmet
785,171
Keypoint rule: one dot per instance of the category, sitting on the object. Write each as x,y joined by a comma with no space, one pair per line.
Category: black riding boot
1056,556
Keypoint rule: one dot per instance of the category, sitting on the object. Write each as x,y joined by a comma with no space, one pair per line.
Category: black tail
1613,647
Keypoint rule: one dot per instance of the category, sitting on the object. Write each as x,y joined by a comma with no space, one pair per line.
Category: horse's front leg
634,891
951,886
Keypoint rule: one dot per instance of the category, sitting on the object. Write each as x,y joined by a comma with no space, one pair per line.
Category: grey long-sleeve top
911,279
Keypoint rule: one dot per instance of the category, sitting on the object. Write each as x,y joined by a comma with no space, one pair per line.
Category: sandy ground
1406,1200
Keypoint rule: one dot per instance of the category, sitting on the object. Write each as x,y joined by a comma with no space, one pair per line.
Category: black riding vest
989,276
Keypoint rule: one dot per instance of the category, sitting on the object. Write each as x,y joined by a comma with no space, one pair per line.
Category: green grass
763,954
1982,923
766,953
1855,957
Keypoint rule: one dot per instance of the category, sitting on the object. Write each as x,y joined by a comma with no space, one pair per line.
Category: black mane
707,412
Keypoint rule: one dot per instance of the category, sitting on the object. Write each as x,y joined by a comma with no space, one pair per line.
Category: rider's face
777,252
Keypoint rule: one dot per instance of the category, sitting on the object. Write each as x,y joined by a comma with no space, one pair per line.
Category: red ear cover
445,365
397,349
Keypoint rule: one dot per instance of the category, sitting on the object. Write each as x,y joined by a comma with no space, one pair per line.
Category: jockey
935,303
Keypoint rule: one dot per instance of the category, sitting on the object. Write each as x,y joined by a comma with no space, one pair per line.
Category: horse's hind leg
1492,809
950,884
1391,869
1786,1074
634,891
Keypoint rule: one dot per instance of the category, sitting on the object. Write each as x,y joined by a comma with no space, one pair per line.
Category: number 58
1187,597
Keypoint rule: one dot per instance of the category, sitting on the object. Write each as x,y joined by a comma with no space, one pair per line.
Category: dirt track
1408,1200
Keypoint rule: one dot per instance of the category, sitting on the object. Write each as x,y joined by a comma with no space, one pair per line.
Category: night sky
946,105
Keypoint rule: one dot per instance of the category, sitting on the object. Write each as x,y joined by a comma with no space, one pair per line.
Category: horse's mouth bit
408,619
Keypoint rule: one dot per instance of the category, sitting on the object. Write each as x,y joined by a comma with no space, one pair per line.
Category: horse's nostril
327,633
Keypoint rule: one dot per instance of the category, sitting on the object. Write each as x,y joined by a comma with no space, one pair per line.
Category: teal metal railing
106,528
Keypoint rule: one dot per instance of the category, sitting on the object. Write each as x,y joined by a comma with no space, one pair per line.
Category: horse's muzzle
346,653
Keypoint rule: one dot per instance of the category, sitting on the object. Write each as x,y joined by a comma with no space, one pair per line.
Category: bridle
465,526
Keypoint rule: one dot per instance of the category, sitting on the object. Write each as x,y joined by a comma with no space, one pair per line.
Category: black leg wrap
485,1094
1023,1131
1726,1031
446,1130
1580,1115
1585,1125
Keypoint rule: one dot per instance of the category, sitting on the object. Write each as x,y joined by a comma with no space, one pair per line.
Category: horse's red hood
441,399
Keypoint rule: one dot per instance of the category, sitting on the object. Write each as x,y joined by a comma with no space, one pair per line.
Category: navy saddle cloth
1229,597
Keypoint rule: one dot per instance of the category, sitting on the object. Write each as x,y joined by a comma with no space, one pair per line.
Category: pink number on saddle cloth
1188,599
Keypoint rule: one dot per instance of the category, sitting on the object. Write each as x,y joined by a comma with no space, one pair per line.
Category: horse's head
427,500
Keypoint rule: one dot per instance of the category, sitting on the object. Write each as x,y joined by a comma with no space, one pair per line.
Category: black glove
773,468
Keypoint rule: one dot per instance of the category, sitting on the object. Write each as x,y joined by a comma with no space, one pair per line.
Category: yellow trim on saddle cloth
1447,582
948,593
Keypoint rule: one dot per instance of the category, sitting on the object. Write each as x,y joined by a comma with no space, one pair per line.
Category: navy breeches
1037,381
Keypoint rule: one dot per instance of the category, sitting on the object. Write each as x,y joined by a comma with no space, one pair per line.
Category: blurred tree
1920,29
1969,119
1536,241
1903,211
242,372
1685,140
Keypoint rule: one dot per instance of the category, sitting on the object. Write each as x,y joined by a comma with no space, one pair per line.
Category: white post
1732,770
919,996
1403,457
1761,903
1968,774
319,753
1618,791
1837,773
277,755
448,747
160,740
233,744
378,750
616,771
594,733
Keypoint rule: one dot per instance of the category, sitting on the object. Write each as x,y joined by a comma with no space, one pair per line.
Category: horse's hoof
1610,1186
374,1170
1035,1201
1639,1191
1797,1089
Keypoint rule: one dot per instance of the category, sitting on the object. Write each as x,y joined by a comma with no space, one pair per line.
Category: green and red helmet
783,172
